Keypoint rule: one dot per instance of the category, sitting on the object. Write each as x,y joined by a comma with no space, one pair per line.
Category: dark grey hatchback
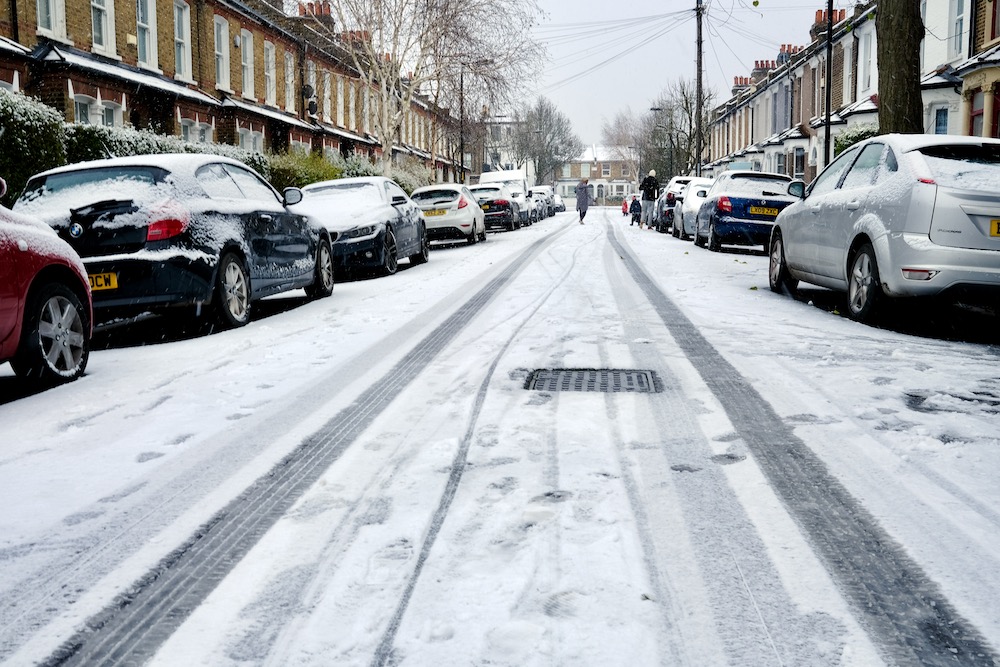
174,231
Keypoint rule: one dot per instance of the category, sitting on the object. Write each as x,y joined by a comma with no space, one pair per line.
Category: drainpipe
13,21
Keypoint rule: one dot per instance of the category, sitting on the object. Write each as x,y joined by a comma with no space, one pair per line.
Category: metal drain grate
592,379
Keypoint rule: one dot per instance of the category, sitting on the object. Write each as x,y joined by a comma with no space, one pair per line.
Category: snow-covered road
365,479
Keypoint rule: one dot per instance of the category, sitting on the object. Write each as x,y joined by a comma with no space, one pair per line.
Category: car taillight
167,221
462,203
928,181
725,205
501,202
671,197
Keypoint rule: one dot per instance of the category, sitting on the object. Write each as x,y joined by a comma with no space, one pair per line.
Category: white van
517,181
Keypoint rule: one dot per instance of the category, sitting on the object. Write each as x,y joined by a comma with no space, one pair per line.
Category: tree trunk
900,30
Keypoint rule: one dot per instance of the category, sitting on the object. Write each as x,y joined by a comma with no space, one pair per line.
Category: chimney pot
819,16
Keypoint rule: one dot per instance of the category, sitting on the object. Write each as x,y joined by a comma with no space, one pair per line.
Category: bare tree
625,138
544,135
674,123
900,31
429,48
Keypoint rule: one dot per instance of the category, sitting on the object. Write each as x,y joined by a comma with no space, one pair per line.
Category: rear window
360,193
965,166
485,192
74,189
434,196
759,186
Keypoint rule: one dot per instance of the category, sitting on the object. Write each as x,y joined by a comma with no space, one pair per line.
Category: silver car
896,216
686,209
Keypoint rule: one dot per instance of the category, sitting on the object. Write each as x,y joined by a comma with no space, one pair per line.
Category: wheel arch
64,275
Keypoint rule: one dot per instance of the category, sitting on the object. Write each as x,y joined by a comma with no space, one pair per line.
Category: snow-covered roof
348,135
820,121
596,153
942,77
11,45
865,105
127,73
270,113
988,58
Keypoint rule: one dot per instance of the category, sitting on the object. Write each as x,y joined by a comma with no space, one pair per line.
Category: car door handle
266,218
853,205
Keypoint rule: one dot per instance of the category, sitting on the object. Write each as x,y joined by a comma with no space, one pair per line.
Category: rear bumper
960,271
742,232
503,220
448,233
149,284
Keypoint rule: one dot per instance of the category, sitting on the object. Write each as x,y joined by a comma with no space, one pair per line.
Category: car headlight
359,232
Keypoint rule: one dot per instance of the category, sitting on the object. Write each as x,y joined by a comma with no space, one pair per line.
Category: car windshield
965,166
69,190
346,193
755,186
434,196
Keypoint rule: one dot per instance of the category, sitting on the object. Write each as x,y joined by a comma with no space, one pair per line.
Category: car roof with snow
173,162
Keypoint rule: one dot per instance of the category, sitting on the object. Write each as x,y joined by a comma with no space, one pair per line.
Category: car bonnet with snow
347,206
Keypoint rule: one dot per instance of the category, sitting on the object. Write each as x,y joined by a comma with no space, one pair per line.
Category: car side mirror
292,196
701,193
398,199
797,188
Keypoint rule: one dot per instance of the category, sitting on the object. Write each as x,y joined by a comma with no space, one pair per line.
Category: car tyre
424,253
390,256
864,289
676,234
54,346
713,239
473,237
323,279
232,291
777,271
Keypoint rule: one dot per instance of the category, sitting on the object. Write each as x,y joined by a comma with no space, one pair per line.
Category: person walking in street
650,189
636,210
582,198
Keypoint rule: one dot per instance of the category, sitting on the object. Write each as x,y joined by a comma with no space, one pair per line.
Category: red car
45,308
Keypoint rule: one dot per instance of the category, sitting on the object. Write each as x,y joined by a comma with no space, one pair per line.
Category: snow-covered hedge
296,169
853,135
410,174
93,142
31,140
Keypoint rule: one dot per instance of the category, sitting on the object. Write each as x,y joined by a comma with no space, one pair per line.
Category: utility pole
697,103
461,123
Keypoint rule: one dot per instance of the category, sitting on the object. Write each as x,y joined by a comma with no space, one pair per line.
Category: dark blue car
740,209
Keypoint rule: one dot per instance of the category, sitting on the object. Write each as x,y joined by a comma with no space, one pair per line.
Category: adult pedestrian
582,198
650,188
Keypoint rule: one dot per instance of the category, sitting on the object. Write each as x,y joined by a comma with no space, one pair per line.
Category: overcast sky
656,44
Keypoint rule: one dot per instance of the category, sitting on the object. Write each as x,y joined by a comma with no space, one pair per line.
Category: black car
499,206
160,232
373,221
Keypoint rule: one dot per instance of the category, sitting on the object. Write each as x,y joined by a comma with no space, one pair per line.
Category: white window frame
187,129
90,111
102,13
957,10
221,33
289,82
867,51
182,41
270,74
56,12
152,60
250,140
352,105
848,74
204,133
341,101
246,63
327,101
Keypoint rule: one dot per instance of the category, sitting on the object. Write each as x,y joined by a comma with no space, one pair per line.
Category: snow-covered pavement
365,479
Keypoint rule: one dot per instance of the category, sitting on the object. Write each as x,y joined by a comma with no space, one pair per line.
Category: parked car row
892,217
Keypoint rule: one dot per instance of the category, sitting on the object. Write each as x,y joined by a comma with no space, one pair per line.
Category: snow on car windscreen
346,192
73,189
966,166
434,196
486,193
754,186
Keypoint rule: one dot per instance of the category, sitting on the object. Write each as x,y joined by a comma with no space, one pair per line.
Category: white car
897,215
689,201
451,212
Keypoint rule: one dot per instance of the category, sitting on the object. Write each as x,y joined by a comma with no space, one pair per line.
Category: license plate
435,211
994,227
99,281
486,207
764,210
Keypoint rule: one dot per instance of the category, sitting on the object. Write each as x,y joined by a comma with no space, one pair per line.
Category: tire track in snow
384,653
905,613
131,629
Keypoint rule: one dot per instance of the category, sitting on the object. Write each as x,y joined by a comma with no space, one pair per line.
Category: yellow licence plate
435,211
99,281
763,210
486,207
994,227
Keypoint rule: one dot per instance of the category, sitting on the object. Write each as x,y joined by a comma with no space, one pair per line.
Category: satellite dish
308,92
